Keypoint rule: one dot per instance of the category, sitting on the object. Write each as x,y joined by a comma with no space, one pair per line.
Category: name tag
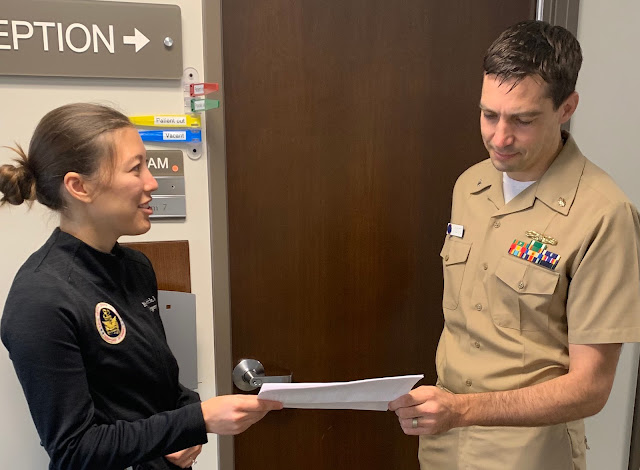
455,230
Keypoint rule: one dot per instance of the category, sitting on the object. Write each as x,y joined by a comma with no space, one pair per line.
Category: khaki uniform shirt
509,321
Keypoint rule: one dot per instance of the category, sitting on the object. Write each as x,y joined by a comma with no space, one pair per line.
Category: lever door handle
249,375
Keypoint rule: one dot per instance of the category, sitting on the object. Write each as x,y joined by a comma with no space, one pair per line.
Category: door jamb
216,150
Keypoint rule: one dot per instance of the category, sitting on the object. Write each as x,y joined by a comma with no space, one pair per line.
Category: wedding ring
414,423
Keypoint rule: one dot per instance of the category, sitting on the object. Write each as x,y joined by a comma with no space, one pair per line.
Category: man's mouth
504,155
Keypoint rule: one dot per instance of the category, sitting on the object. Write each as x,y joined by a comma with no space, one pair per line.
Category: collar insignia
109,324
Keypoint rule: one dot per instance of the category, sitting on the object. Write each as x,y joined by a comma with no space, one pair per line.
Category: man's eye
522,122
490,117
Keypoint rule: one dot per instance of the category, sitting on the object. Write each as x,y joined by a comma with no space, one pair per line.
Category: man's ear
569,107
78,187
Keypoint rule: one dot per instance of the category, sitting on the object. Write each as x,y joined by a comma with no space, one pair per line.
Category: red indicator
199,89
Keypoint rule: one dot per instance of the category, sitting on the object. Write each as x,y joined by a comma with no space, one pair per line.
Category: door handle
249,375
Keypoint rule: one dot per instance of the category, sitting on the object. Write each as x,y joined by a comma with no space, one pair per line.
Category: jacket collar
557,188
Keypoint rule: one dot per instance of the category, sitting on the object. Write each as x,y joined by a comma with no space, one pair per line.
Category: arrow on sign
139,39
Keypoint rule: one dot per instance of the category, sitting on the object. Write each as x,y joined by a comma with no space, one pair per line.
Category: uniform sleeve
41,335
603,304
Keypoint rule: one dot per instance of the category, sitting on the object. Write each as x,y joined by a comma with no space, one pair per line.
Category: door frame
561,12
215,141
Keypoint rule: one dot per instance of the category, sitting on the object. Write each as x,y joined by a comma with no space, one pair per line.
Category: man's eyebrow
532,113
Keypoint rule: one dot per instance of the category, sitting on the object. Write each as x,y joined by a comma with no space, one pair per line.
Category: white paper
368,394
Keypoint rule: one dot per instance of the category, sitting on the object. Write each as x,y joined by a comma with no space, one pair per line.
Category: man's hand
434,410
581,392
184,458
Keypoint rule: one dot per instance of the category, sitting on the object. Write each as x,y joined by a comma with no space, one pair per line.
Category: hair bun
17,183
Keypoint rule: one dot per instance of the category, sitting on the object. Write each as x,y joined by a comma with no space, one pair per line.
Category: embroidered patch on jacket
109,323
534,252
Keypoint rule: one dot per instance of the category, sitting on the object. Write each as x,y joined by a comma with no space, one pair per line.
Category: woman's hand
184,458
233,414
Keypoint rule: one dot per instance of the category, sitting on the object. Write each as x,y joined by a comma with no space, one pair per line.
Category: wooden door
347,123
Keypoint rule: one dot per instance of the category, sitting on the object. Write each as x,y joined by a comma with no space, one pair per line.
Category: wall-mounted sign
79,38
167,167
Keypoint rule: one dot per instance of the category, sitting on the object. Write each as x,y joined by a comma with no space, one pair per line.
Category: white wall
606,126
24,100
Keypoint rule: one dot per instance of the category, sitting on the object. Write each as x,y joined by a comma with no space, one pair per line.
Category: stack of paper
368,394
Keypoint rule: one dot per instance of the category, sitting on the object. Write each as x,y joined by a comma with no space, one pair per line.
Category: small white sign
174,135
170,120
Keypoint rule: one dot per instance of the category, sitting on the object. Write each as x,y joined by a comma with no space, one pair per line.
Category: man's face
519,126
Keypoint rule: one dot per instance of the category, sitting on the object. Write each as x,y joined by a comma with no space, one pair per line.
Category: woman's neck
88,234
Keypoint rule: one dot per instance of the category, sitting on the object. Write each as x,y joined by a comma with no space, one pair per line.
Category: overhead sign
79,38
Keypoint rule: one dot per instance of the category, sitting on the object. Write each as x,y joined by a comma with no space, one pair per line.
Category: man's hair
532,48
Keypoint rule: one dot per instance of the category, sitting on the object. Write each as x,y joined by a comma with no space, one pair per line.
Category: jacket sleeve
41,335
186,396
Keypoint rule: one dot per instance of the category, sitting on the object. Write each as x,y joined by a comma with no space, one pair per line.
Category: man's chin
499,164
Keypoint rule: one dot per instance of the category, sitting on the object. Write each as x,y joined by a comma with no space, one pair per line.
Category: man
542,277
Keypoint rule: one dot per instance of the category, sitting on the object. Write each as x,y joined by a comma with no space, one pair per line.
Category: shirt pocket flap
454,252
526,279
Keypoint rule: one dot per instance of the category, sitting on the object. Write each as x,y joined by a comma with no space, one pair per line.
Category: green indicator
198,105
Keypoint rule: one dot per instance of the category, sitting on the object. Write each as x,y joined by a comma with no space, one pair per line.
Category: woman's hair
75,137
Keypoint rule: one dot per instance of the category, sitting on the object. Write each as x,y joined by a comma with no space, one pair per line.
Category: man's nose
503,136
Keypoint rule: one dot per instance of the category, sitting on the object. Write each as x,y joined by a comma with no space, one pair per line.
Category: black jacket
83,331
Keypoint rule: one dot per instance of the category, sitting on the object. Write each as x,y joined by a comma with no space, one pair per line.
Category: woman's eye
136,168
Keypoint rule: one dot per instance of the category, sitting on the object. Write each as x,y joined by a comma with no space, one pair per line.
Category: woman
89,350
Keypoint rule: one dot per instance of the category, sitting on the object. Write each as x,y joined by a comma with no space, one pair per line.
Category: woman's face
121,203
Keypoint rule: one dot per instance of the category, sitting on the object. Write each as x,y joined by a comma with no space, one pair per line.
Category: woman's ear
78,187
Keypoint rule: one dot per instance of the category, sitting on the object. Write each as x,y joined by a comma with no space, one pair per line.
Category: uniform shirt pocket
522,295
454,261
